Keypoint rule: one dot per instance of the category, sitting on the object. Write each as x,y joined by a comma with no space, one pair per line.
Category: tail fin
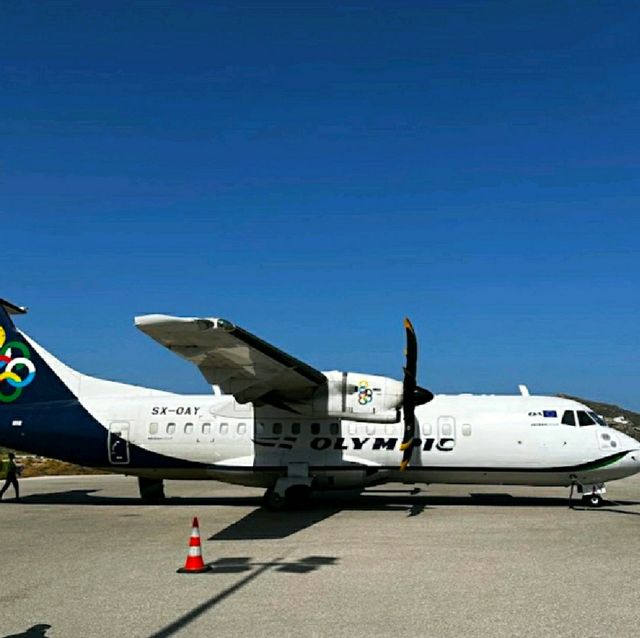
24,376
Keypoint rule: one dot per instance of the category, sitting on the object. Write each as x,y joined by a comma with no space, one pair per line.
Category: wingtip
408,325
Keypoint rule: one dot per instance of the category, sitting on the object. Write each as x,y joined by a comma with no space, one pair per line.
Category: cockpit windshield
585,418
597,418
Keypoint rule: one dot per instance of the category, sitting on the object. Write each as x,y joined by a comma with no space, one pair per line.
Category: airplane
275,422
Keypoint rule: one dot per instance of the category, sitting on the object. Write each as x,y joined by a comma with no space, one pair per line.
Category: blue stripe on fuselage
65,430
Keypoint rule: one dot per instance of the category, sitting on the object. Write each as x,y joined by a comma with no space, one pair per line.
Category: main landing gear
291,491
293,497
151,489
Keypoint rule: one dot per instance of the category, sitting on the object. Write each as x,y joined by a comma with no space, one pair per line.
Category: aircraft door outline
118,442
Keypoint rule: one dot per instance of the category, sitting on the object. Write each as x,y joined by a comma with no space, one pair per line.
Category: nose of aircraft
633,447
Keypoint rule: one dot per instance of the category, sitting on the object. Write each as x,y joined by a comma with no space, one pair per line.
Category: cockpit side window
569,418
584,419
597,418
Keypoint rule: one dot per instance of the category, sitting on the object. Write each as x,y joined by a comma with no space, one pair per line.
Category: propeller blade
412,395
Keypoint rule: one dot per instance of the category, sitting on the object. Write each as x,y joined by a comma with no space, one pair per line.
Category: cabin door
119,442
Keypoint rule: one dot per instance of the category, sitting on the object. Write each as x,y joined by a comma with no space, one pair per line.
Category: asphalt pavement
82,557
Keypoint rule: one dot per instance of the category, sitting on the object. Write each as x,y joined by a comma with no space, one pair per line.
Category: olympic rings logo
365,393
16,372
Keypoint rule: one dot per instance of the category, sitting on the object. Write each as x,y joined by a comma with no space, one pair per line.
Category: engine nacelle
360,397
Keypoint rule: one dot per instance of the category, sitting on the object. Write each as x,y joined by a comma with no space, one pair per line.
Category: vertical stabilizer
24,375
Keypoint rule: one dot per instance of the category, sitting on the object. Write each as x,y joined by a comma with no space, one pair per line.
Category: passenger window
315,428
371,429
242,428
295,428
353,428
584,418
568,418
466,429
171,428
425,429
153,428
188,428
446,429
260,428
206,428
224,428
333,429
277,428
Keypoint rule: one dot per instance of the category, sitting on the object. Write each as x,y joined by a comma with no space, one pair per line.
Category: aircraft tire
273,501
297,496
592,500
151,489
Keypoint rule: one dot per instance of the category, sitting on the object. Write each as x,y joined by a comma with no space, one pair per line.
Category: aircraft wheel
151,489
297,496
592,500
273,501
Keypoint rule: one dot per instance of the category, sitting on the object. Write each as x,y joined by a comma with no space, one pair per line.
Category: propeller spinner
412,396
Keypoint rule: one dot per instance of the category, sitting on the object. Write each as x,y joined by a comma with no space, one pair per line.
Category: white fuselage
464,439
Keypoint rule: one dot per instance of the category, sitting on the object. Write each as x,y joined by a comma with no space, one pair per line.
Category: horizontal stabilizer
12,309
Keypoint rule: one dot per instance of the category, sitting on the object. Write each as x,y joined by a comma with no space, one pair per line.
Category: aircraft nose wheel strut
592,500
592,495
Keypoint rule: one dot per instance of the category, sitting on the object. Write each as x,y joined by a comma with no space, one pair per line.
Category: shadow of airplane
93,497
342,499
36,631
262,524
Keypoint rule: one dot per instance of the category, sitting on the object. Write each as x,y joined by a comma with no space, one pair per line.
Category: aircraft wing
239,362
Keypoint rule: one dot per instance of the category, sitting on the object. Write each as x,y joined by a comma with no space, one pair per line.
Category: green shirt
11,467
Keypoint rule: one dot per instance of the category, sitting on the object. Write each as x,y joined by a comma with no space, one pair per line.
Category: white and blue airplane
276,422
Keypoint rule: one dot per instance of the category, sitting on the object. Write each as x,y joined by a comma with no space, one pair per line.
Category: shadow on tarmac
239,565
262,524
93,497
36,631
368,500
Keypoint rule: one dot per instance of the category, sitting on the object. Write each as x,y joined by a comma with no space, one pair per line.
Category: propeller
412,396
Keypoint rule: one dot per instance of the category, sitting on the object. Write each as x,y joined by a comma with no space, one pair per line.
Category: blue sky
315,171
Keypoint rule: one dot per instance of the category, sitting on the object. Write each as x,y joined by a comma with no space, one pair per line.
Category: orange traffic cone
194,563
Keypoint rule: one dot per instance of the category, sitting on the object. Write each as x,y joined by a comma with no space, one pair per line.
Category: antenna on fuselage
524,391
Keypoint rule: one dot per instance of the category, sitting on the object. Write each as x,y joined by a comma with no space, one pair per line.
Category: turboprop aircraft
280,424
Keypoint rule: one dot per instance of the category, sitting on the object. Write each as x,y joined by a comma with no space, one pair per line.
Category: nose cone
629,443
632,459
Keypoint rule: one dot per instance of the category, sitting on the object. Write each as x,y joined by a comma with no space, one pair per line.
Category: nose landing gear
592,500
592,494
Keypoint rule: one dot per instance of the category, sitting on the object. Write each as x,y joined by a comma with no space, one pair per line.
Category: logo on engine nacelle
365,393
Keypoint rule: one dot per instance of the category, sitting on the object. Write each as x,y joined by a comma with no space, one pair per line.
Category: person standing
12,477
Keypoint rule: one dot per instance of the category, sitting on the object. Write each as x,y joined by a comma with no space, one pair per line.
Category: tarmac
83,557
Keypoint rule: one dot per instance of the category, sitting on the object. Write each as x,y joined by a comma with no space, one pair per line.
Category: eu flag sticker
549,414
